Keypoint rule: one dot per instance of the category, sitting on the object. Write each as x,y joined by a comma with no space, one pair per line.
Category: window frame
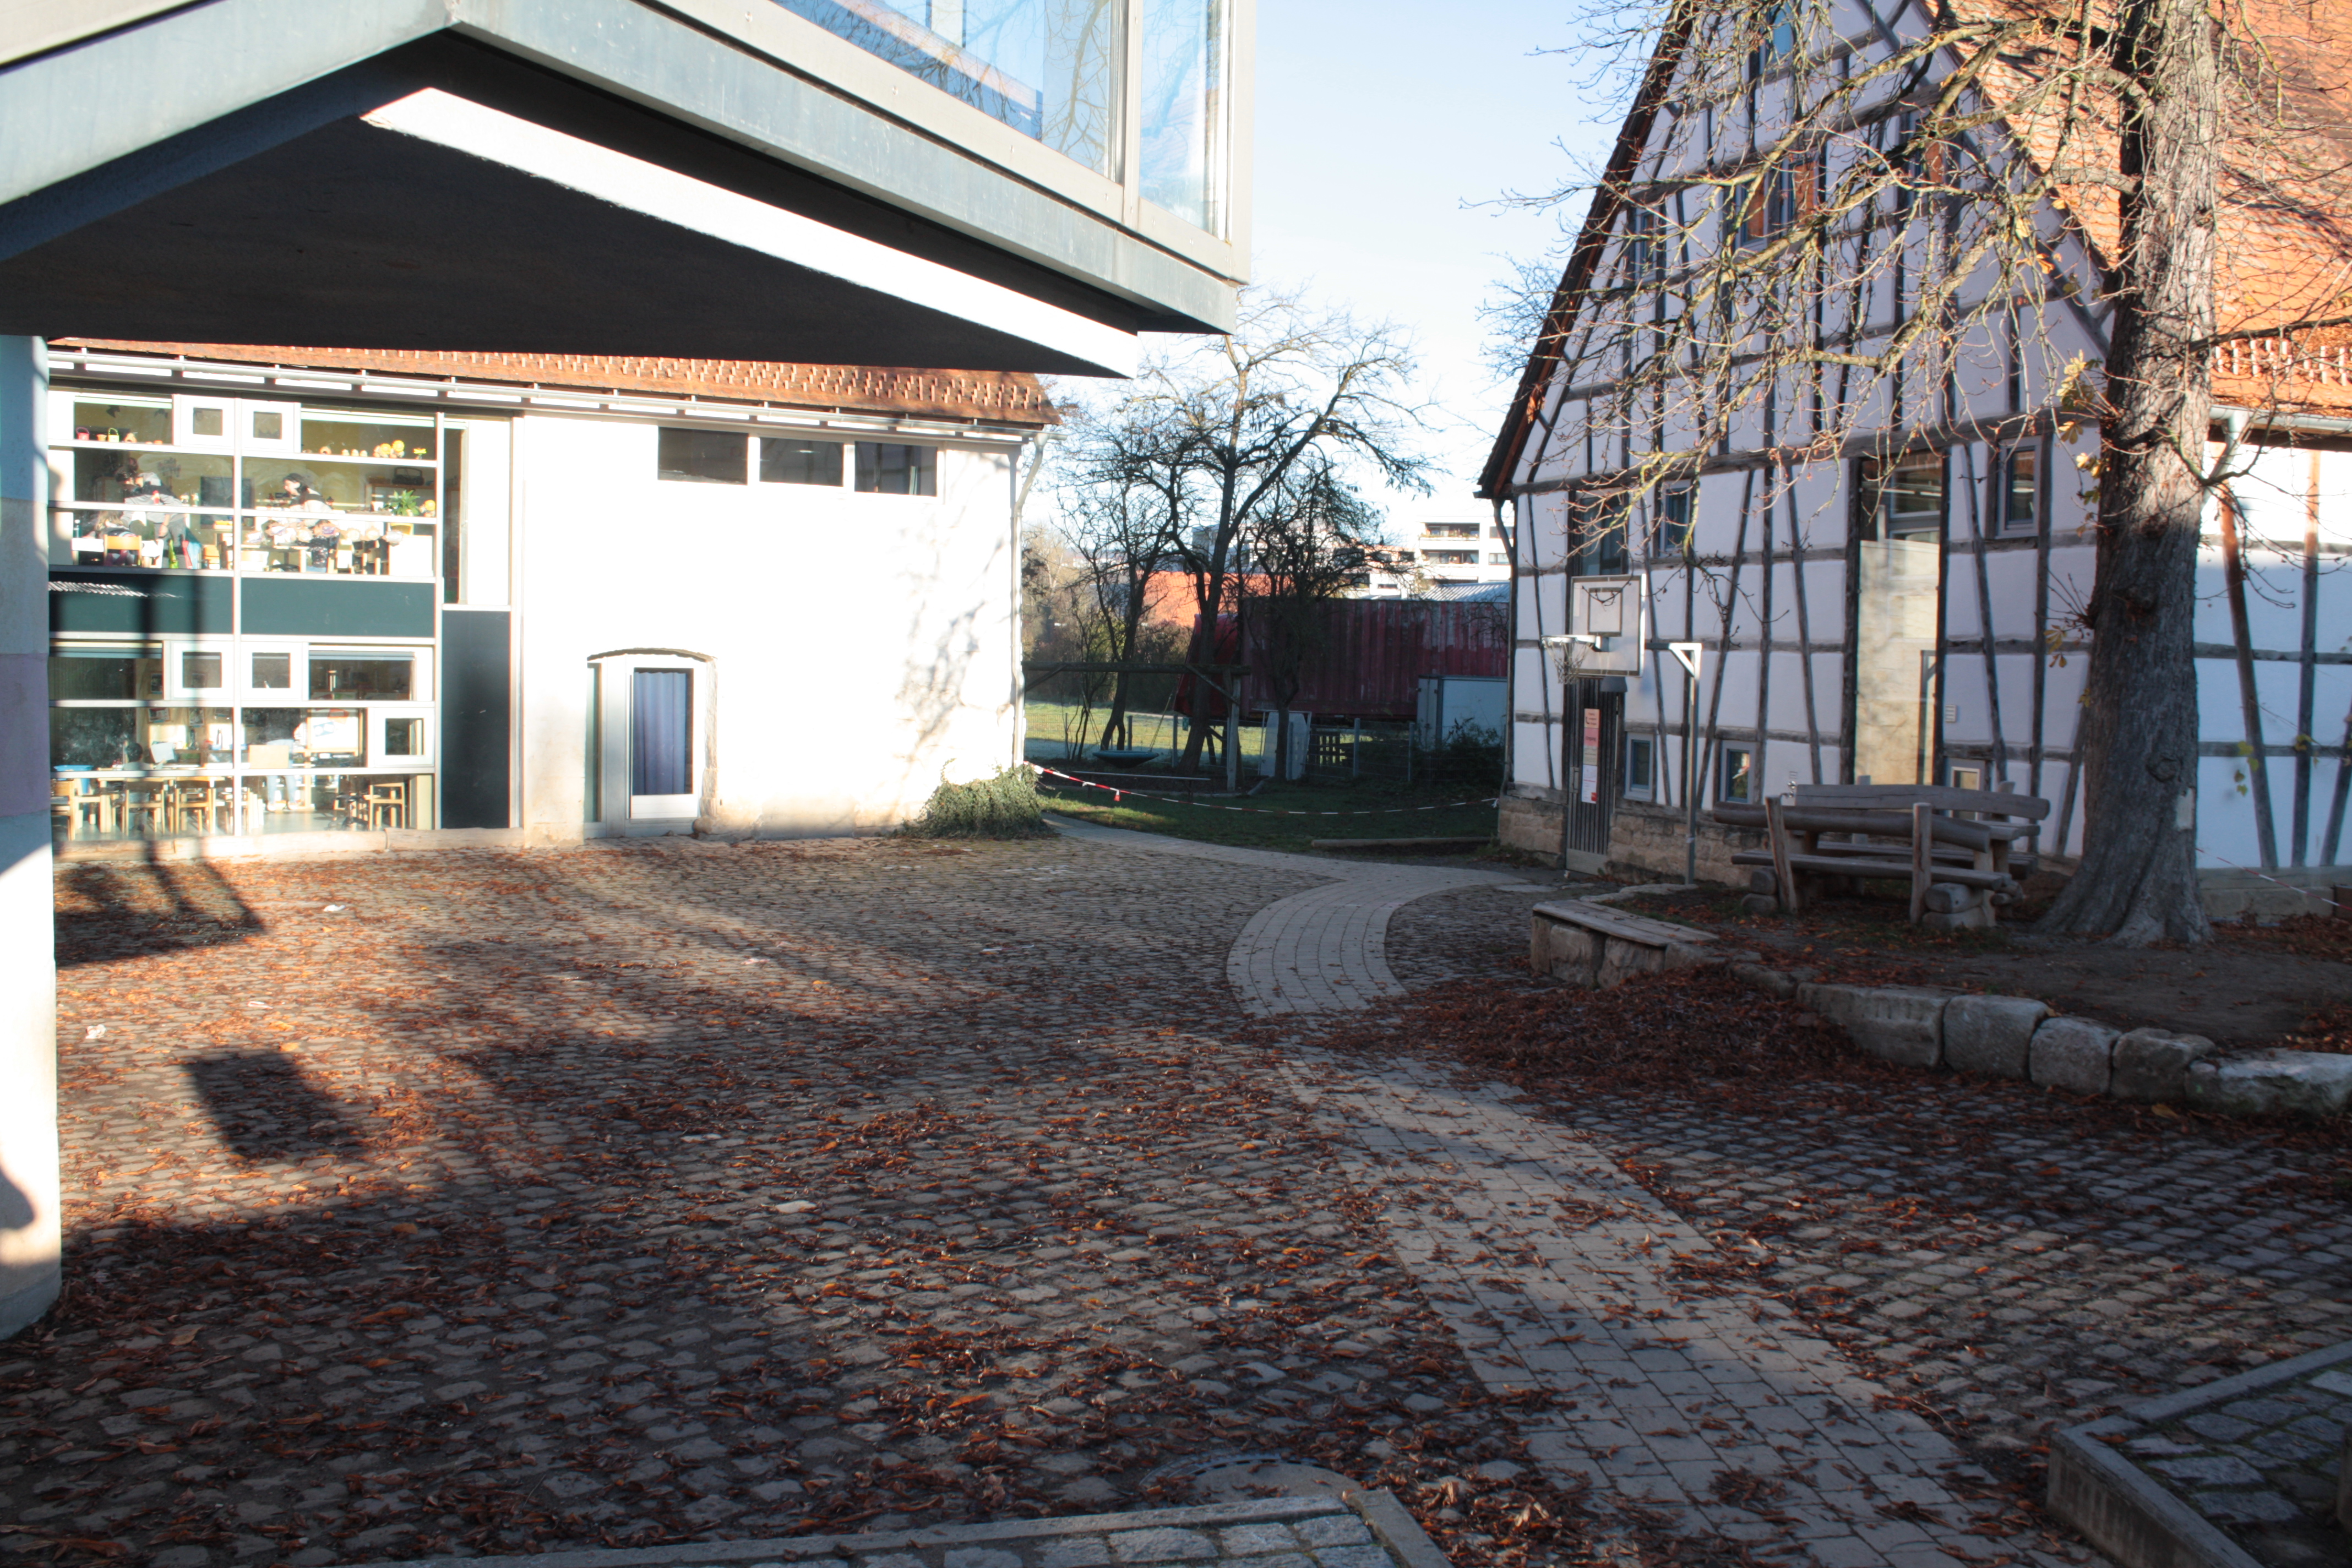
926,474
1748,774
2004,490
1871,492
1647,788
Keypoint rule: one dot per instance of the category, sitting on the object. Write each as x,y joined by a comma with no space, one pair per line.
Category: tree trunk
1203,653
2137,882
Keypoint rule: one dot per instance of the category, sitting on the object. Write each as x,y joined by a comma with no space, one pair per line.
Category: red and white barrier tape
1118,795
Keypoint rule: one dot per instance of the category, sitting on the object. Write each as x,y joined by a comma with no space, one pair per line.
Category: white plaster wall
863,643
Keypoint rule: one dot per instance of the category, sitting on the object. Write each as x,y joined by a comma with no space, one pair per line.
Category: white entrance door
649,739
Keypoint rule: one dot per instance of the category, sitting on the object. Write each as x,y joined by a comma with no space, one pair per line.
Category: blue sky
1377,124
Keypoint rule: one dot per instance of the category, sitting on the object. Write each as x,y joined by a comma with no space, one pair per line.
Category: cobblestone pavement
645,1193
657,1192
1701,1400
1994,1257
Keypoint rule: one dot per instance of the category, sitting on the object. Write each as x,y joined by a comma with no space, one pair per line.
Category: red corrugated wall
1374,652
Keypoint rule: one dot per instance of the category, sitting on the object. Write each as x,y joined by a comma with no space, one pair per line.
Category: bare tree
1826,225
1126,523
1220,431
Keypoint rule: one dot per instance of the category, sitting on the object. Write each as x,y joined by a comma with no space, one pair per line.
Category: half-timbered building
1895,594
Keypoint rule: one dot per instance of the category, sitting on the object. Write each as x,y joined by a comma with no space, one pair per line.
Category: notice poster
330,733
1588,770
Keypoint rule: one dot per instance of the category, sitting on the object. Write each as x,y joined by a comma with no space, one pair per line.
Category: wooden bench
1595,946
1960,841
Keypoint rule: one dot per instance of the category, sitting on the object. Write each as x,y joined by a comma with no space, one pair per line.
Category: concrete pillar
30,1232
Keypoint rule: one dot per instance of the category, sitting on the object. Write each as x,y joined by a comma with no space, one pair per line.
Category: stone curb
1906,1025
1395,1528
2132,1518
1382,1513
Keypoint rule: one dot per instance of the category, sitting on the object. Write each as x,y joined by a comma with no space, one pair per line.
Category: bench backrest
1902,797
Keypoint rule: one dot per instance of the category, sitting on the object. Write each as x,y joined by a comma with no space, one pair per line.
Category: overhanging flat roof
536,176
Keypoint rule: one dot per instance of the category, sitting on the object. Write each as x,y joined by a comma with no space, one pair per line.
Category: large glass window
1049,68
789,461
105,674
2019,500
1183,99
890,469
216,484
1902,497
129,762
702,456
353,676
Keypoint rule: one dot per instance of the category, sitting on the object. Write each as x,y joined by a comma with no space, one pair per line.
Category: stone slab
1899,1024
2073,1054
1991,1035
1621,960
2294,1083
2152,1065
1618,924
1564,951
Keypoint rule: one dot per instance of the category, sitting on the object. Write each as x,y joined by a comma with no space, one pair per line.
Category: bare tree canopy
1224,436
1831,230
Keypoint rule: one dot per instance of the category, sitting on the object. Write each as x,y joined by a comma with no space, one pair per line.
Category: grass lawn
1271,822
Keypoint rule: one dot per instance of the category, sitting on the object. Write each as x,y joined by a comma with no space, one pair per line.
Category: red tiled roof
996,396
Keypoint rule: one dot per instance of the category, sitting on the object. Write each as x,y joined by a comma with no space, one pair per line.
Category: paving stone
1162,1544
2073,1054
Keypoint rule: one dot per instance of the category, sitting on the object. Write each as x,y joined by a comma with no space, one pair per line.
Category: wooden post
1923,858
1784,879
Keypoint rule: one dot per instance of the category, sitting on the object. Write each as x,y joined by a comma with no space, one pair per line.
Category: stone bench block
1991,1035
1622,960
2300,1083
1899,1024
2151,1065
2074,1054
1563,951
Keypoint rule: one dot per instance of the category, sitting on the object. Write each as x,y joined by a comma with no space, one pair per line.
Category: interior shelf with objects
195,483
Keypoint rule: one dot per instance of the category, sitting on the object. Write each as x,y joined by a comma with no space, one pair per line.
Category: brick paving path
1324,950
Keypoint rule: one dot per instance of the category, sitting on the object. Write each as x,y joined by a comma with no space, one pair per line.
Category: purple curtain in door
661,733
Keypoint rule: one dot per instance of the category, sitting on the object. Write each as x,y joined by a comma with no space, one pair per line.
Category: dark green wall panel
145,605
337,607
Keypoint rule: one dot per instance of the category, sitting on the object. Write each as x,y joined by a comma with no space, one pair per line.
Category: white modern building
1442,546
256,625
328,600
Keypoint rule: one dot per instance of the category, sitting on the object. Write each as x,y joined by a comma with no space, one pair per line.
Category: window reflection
1183,105
1048,68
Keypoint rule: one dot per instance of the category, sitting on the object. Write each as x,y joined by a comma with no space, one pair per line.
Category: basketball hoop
1569,653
